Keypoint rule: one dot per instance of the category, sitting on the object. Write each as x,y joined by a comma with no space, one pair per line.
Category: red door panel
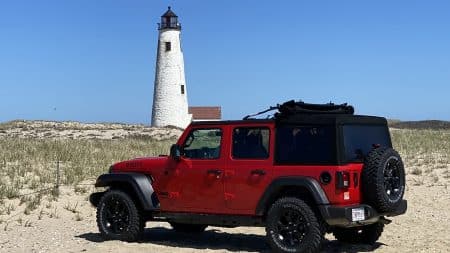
195,183
245,182
246,179
201,185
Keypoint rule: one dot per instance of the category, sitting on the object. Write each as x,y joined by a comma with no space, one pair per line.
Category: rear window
360,139
305,145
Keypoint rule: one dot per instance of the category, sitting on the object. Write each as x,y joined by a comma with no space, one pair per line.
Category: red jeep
308,170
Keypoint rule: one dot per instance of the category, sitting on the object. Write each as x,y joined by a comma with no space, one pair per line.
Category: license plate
358,214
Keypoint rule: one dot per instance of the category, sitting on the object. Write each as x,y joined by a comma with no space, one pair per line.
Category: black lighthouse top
169,20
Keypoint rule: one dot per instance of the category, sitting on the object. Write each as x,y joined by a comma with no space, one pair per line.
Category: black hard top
234,122
307,119
332,119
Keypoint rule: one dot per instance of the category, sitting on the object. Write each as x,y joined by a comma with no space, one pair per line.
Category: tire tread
137,225
372,181
316,237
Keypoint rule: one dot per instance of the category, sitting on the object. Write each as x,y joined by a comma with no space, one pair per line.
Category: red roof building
203,113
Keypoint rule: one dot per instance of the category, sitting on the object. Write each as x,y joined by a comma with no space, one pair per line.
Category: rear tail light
342,179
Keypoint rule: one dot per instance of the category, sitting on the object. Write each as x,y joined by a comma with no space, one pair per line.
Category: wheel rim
116,215
393,181
291,228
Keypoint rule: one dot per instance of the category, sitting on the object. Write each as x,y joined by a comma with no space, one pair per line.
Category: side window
250,143
305,145
203,144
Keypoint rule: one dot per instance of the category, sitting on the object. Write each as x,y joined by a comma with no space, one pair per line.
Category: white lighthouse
170,104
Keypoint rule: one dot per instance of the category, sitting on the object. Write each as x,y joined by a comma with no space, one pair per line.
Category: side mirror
175,152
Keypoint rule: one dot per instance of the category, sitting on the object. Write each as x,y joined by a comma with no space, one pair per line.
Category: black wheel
383,179
292,226
118,217
188,228
367,234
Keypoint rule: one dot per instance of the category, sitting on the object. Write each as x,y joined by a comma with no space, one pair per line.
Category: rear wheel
367,234
118,217
188,228
292,226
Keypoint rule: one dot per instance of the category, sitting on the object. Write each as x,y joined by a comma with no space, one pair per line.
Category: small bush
78,217
32,204
416,171
71,208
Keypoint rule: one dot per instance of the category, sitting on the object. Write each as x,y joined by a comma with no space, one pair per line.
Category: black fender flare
308,183
140,184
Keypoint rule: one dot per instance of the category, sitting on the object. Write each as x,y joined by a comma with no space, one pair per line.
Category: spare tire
383,179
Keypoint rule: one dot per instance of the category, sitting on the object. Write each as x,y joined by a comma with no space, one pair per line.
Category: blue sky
94,61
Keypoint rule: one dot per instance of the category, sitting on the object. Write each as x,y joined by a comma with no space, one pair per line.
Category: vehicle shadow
218,240
210,239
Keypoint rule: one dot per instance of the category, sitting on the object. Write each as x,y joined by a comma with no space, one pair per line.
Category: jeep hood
142,164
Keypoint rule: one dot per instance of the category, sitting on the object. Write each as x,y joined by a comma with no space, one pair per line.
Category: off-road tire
118,217
368,234
306,226
376,180
188,228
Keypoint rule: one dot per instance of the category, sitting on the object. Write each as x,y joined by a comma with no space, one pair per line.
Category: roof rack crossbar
272,108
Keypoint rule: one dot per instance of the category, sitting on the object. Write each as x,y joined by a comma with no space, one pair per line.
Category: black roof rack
292,107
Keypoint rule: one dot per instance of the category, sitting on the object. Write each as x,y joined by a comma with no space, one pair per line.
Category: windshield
360,139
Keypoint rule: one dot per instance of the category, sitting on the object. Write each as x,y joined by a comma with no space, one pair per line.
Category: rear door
249,168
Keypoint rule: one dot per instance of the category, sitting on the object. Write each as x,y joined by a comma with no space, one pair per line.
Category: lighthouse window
182,89
168,46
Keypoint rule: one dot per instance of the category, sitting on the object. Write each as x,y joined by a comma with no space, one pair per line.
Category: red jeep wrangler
308,170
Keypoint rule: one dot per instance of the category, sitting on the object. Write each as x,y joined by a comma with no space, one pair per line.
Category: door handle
258,172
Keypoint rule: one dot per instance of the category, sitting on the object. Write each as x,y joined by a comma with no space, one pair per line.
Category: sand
68,225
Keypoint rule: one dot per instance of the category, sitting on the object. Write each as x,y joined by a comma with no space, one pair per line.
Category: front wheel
368,234
118,217
292,226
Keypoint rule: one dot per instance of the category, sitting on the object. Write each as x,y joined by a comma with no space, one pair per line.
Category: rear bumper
342,216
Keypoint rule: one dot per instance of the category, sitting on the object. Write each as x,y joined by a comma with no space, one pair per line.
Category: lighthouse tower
170,104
